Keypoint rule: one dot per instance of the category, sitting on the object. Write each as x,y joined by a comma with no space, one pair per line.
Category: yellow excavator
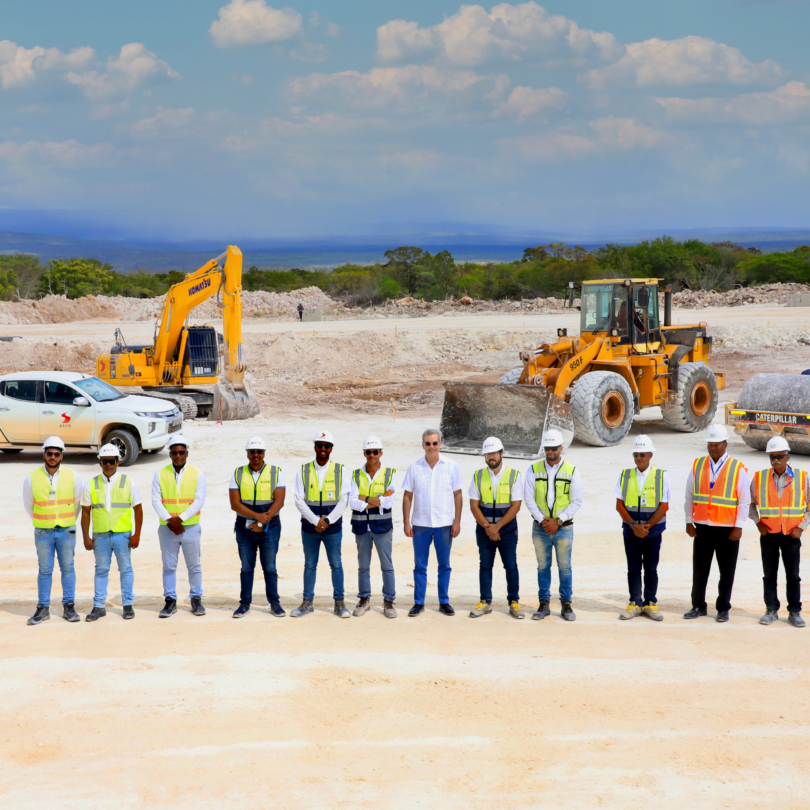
183,356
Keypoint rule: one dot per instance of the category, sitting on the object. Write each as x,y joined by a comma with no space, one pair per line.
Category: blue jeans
59,542
384,543
104,545
423,536
642,553
562,541
487,551
312,550
266,544
170,544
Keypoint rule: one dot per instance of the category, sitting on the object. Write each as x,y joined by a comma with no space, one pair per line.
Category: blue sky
188,119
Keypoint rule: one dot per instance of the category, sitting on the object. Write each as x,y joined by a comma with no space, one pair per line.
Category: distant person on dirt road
372,499
52,497
716,506
496,495
300,310
642,500
178,496
321,496
110,500
257,493
432,486
553,494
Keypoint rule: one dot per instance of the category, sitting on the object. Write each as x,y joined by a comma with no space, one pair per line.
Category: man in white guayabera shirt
432,486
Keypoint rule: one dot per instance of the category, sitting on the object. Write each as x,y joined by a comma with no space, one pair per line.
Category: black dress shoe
447,609
416,610
695,612
169,608
241,610
69,613
722,615
129,613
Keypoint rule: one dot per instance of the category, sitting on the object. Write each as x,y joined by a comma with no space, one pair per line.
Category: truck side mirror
82,402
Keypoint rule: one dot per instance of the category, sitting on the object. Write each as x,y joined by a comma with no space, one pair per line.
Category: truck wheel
127,446
511,377
694,404
602,408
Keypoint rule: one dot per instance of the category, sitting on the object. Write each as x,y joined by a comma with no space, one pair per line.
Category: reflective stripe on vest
373,515
177,502
718,503
256,493
119,518
780,515
653,491
562,487
53,508
316,499
494,505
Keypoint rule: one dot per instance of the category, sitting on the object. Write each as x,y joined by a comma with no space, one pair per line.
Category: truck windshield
599,302
98,390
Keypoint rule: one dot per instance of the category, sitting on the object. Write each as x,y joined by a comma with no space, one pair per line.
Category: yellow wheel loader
589,387
184,356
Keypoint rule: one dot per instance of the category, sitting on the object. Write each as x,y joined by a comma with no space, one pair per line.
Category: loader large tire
511,377
694,404
602,408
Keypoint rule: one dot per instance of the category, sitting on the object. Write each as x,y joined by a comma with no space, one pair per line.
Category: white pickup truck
84,412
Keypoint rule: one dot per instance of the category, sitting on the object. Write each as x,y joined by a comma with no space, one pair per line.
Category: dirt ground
433,712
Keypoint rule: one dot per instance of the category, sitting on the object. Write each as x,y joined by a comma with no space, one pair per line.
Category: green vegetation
543,271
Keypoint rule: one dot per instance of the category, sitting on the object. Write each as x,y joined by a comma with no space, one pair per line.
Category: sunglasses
322,446
641,455
178,452
53,453
255,452
553,449
432,444
107,461
779,457
372,452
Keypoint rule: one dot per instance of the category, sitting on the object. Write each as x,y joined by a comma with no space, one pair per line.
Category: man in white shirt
642,499
111,499
553,494
52,497
321,494
717,501
178,496
496,494
432,486
372,499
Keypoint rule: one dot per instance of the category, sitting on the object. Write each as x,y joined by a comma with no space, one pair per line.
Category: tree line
543,271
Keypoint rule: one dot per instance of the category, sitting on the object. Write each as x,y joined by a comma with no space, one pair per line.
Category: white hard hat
256,443
643,444
777,444
324,436
372,443
717,433
179,440
552,438
54,441
492,445
109,451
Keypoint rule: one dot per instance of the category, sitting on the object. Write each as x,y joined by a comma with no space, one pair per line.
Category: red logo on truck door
66,418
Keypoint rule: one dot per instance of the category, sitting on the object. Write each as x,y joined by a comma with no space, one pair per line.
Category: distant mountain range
332,251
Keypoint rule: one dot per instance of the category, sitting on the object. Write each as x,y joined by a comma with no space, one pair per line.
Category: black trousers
790,547
710,541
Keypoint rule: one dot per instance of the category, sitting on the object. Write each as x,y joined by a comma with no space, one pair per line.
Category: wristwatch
326,520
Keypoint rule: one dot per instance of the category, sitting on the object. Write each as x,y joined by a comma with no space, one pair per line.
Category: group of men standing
718,500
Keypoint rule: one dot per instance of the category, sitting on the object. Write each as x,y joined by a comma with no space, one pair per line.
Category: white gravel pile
746,296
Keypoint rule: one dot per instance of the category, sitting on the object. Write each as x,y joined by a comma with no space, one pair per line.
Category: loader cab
626,310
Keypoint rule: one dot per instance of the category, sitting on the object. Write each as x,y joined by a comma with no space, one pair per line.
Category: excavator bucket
233,401
516,414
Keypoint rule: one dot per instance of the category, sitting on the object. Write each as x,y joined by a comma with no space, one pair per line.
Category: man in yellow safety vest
321,496
642,500
780,506
178,496
109,500
52,497
716,507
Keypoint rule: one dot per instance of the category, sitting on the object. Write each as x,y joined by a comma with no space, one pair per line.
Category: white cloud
474,35
780,106
19,65
524,102
135,66
686,61
163,119
609,134
253,22
68,153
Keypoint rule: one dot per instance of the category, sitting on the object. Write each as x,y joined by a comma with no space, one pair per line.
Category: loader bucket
233,401
516,414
